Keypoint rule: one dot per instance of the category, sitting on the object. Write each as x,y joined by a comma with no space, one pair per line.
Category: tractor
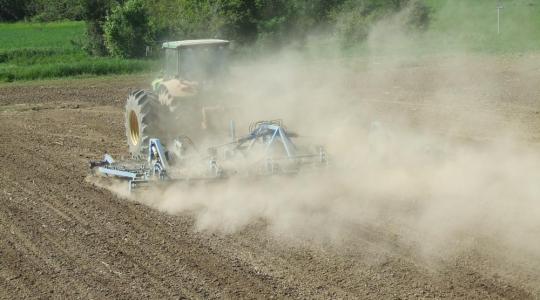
165,125
184,100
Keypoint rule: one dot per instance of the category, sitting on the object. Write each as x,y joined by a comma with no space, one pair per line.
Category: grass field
40,35
472,25
460,26
51,50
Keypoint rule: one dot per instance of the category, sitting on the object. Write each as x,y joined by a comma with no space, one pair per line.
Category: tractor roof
189,43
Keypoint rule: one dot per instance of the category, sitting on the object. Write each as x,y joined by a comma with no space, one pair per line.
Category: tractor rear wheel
142,121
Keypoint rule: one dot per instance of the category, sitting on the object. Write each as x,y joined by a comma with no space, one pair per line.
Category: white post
499,7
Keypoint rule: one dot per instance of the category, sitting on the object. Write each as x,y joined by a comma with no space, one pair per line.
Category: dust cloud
422,146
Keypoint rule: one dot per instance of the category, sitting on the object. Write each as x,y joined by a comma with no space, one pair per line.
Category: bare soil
62,237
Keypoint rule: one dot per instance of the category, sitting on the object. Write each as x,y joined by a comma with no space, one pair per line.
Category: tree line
124,28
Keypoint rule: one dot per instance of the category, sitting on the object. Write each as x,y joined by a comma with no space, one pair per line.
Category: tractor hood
181,88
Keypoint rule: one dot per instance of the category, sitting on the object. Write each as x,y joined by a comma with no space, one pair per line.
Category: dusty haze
441,173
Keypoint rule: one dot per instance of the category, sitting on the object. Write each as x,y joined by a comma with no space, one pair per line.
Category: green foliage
420,15
352,22
41,50
464,25
244,21
55,10
272,23
128,29
35,51
353,19
238,20
94,13
11,10
131,24
282,21
40,10
187,19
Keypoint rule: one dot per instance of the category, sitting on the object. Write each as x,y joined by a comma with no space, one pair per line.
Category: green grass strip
86,67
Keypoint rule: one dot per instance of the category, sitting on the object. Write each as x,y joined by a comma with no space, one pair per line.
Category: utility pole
499,7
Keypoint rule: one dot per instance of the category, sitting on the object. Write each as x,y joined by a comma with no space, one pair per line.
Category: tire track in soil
50,163
62,237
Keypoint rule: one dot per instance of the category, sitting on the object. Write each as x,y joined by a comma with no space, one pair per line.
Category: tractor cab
195,60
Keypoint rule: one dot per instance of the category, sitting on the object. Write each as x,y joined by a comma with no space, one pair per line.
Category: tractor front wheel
142,121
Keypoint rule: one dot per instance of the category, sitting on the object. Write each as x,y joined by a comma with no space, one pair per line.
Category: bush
55,10
190,19
94,13
11,10
40,10
420,15
351,25
353,19
271,24
128,29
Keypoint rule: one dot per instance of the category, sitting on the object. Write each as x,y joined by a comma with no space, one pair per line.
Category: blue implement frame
156,166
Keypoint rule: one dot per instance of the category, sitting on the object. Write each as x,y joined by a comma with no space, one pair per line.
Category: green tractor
182,99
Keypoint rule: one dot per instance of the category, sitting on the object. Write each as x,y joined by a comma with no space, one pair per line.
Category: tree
94,13
55,10
13,10
273,23
128,29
